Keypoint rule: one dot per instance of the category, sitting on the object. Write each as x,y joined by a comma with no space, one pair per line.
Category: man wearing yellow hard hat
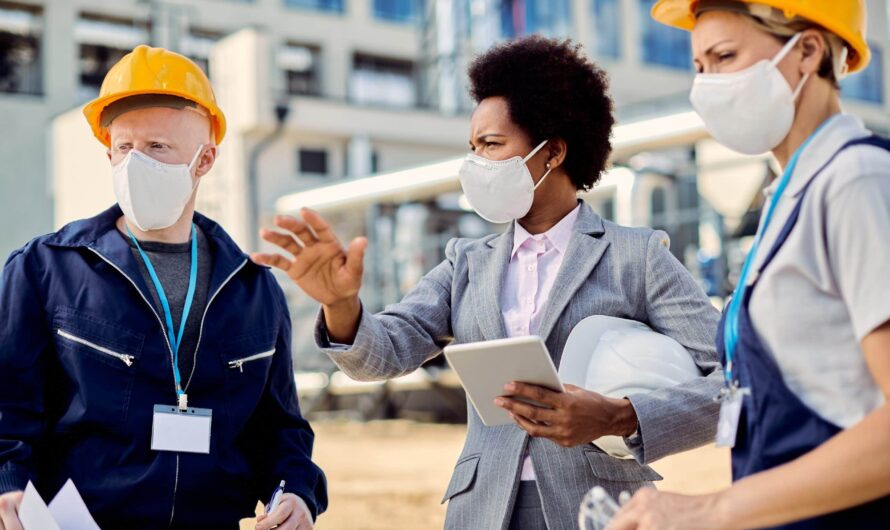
806,337
142,354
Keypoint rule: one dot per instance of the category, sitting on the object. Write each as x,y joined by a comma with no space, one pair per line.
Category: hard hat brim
93,113
680,14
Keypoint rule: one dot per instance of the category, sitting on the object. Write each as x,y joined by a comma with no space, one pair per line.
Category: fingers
272,260
296,520
535,393
284,241
355,256
625,520
276,517
536,414
299,520
631,514
9,519
322,228
532,428
297,227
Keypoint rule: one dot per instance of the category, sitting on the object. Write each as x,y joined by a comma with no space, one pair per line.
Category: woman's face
725,42
494,136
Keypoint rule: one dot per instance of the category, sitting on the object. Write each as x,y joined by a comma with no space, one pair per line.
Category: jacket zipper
169,348
126,359
239,363
204,316
195,363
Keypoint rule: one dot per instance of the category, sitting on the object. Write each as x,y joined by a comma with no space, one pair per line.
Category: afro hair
552,91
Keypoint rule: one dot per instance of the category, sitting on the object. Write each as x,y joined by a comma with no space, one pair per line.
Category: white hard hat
617,357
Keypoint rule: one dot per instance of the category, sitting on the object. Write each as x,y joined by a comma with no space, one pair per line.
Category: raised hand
320,266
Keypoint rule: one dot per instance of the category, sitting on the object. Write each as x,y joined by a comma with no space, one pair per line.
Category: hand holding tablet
484,368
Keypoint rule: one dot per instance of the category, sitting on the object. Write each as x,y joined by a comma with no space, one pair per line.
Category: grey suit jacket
608,270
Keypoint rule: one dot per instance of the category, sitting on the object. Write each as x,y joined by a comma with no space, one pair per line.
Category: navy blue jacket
84,358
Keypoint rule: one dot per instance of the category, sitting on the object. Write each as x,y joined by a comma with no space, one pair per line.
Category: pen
276,498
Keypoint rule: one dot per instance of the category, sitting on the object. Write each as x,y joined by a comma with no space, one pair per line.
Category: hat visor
93,112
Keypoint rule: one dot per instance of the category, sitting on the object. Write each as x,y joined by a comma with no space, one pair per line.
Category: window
333,6
300,65
525,17
658,203
663,45
382,81
95,62
197,46
20,68
398,10
607,28
103,42
312,161
867,85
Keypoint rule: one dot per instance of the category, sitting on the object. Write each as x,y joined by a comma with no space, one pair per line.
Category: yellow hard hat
148,70
845,18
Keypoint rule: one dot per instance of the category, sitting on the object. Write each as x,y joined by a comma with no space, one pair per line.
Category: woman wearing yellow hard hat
806,337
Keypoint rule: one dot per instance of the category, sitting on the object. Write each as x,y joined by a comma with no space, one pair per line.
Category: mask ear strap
195,158
535,150
841,68
542,178
800,85
786,49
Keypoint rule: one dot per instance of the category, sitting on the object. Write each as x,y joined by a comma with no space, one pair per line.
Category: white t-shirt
829,285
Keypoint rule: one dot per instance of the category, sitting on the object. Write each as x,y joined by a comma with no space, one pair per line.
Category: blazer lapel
487,269
582,256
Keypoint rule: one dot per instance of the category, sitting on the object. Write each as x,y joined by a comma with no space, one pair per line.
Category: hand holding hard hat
618,358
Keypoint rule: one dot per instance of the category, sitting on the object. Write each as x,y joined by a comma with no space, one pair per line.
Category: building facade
317,91
334,60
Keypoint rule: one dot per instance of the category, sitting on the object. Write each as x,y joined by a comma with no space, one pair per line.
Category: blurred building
318,91
346,69
650,65
381,58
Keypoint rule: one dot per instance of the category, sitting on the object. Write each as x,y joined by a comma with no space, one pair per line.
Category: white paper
70,511
180,432
33,513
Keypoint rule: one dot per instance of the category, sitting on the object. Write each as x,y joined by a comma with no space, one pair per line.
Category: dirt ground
392,474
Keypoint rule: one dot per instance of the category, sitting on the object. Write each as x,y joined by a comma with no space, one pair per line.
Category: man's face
168,135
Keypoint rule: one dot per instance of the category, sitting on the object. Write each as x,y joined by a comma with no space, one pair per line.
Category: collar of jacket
588,222
99,235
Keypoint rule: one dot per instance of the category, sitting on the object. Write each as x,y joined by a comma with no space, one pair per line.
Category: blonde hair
773,21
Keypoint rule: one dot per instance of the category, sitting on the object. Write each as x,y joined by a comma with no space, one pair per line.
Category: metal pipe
253,206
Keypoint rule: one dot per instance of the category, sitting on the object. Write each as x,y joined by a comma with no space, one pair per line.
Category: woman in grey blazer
540,134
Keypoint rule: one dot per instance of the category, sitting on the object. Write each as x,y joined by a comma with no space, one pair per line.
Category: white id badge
728,425
183,431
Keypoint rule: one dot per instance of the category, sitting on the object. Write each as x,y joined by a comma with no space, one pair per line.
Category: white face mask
153,194
750,111
499,190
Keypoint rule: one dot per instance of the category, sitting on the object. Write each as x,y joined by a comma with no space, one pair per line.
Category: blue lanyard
175,339
731,324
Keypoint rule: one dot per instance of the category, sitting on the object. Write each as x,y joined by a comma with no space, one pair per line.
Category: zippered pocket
124,358
239,363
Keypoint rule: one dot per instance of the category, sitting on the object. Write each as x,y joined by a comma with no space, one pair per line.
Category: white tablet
485,367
